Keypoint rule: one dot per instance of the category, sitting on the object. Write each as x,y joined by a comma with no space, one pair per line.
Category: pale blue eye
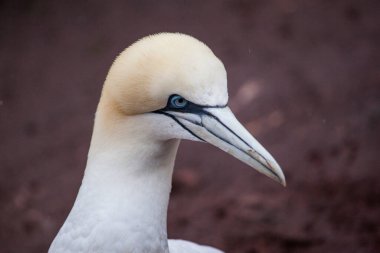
178,102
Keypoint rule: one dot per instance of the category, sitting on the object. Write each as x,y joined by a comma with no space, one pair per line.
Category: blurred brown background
304,77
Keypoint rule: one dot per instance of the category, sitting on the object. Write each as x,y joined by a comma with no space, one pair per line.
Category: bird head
174,87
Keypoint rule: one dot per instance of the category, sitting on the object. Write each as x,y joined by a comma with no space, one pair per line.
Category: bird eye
178,102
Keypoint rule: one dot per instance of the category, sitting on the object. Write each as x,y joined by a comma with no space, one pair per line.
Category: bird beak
219,127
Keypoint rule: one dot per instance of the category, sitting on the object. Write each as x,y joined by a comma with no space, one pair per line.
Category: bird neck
122,202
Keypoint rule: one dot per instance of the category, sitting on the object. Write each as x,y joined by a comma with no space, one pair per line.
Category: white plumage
161,89
181,246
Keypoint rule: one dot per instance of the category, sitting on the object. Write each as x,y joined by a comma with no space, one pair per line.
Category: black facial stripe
190,106
200,110
179,123
223,139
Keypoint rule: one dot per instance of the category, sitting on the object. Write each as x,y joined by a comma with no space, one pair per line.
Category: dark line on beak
242,150
200,110
179,123
217,119
213,106
267,166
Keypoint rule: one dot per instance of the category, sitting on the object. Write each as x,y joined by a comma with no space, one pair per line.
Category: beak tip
281,179
278,174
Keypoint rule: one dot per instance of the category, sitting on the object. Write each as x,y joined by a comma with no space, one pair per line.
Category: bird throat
122,202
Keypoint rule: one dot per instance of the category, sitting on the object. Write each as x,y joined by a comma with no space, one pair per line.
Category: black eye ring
178,102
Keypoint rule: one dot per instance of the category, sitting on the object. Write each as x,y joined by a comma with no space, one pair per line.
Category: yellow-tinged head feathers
144,77
145,74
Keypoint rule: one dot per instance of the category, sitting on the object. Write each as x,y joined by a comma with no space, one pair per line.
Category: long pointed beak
219,127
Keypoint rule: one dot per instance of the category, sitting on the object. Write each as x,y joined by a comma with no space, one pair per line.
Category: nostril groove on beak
229,129
251,152
254,153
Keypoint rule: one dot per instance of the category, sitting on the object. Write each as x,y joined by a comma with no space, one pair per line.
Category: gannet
161,89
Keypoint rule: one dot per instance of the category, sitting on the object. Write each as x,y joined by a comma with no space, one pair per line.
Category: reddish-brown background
304,77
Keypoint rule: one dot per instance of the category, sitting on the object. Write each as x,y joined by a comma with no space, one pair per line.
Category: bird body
181,246
161,89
